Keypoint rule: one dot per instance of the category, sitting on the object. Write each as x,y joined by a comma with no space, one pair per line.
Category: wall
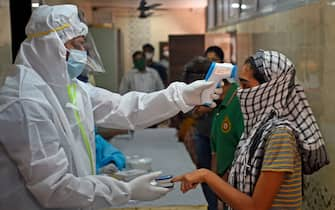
157,28
109,57
135,32
307,36
5,39
5,35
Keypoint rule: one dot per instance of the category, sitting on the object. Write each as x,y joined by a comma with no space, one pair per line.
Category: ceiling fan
145,8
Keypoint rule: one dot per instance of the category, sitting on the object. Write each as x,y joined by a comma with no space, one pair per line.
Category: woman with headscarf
281,140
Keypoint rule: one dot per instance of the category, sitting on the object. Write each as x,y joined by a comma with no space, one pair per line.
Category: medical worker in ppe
47,118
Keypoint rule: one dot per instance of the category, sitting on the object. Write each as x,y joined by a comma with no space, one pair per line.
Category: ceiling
170,4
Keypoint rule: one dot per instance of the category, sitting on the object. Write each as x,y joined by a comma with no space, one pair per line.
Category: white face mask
166,53
76,62
148,56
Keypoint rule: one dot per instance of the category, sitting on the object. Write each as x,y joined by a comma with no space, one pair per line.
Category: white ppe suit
47,122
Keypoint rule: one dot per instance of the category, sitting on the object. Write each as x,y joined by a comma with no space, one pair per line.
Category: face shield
94,63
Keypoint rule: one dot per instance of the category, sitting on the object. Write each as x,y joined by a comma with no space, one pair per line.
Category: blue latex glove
106,153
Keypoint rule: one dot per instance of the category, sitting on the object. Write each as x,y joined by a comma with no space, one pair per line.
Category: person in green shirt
227,128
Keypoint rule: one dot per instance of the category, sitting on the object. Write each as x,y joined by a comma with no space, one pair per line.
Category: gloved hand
141,188
192,93
109,169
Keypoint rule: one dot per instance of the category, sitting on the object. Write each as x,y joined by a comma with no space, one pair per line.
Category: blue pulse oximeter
164,181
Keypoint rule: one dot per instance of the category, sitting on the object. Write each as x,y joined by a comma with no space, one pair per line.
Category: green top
227,128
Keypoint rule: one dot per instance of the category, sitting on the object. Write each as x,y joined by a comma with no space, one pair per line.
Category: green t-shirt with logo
227,128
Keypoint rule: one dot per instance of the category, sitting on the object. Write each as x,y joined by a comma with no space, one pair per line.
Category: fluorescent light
34,5
235,5
331,2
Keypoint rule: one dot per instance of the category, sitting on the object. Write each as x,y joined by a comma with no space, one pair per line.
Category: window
267,5
210,14
248,8
234,9
286,4
223,12
219,12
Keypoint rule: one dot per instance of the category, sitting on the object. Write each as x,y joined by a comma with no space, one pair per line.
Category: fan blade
144,15
143,3
153,6
143,6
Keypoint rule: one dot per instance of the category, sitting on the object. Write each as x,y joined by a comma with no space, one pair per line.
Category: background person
165,58
203,122
149,52
141,78
226,131
196,135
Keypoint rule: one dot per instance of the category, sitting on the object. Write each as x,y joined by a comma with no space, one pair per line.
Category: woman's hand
190,180
199,111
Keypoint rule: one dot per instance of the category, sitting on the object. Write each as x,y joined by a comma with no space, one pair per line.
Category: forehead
78,39
76,43
138,56
147,49
246,72
212,55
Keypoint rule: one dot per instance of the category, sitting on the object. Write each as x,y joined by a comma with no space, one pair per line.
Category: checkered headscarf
279,102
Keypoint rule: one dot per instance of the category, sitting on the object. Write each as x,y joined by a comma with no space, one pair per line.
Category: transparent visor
94,62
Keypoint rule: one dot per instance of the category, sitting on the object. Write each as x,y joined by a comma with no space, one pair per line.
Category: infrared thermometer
217,72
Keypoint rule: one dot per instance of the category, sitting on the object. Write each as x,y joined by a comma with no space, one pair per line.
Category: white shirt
142,81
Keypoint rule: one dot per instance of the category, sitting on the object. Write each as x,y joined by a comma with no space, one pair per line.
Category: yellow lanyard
44,33
71,90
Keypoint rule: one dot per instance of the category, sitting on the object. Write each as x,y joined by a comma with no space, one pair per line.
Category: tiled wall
157,28
307,36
